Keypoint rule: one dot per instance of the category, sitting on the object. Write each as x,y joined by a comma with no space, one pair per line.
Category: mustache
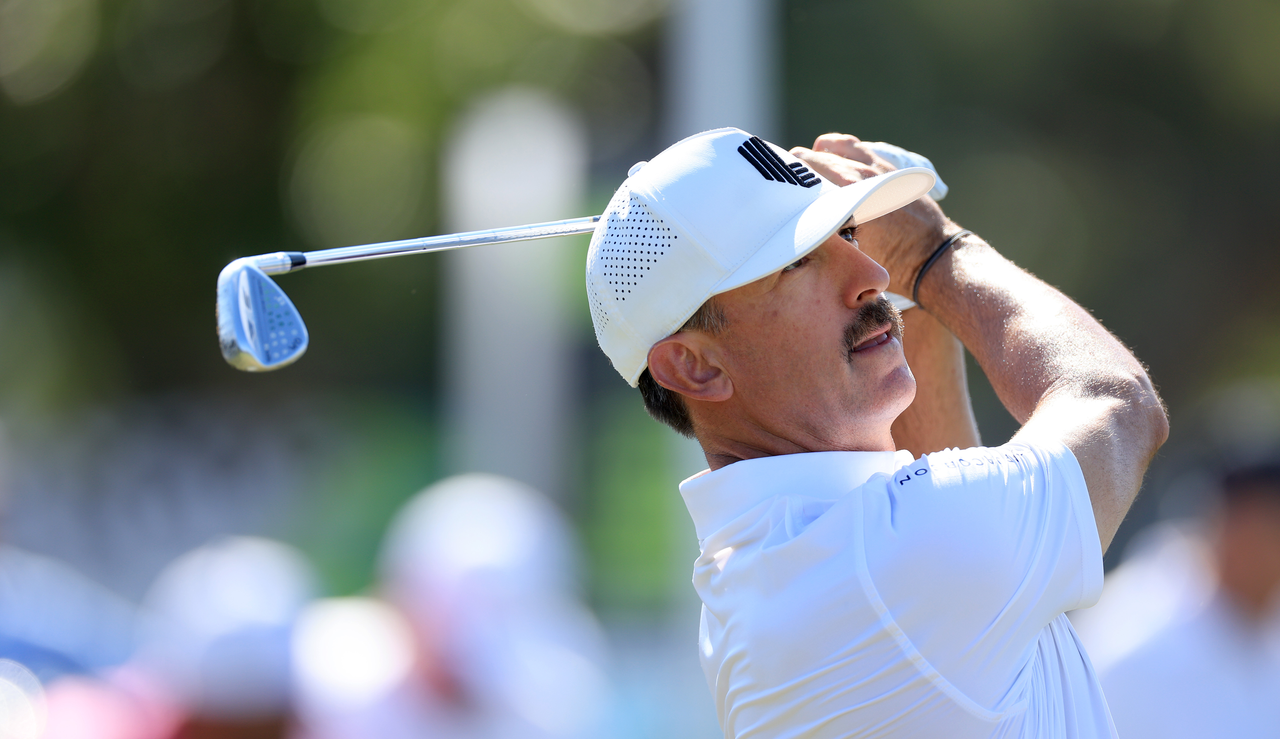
870,319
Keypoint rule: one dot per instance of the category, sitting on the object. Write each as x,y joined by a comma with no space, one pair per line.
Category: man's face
814,352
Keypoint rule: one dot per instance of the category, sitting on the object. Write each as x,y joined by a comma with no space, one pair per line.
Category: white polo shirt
867,594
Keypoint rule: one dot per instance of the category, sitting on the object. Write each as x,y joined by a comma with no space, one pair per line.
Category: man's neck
722,450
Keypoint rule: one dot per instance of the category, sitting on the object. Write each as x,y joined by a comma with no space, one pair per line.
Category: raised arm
1055,368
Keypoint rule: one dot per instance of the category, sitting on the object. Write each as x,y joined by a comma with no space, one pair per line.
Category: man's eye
795,264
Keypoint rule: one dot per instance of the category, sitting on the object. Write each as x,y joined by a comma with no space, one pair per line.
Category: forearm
941,415
1055,368
1030,340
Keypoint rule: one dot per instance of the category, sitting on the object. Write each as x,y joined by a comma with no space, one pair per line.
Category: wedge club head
258,327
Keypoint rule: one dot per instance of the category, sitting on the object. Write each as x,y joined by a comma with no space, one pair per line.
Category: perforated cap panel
633,243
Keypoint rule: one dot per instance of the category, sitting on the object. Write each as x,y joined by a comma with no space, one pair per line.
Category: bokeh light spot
22,704
44,44
350,650
534,142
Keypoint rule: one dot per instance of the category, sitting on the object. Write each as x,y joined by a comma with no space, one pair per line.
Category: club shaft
281,262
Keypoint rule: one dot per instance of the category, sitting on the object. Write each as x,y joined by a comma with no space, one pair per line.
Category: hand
900,241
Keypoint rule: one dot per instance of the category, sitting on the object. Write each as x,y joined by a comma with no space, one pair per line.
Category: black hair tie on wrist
915,291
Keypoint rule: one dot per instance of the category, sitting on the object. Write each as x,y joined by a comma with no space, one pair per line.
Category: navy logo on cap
770,165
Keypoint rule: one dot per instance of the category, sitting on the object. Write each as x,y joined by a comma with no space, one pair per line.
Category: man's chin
898,388
888,394
908,386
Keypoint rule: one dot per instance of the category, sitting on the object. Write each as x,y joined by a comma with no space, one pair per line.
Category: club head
258,327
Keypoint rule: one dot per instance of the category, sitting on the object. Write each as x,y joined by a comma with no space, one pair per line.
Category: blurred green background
1125,151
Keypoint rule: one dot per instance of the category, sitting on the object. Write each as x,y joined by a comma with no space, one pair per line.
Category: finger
828,141
836,162
844,145
850,147
836,168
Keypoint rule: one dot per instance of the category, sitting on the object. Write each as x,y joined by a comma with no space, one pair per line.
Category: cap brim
863,201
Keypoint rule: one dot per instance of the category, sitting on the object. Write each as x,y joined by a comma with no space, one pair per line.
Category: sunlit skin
780,378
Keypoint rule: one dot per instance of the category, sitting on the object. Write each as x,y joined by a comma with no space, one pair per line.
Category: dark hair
664,405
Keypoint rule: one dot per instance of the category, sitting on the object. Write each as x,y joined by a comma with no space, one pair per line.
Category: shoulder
1006,467
980,502
1016,457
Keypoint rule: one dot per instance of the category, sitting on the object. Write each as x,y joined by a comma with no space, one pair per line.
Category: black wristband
915,291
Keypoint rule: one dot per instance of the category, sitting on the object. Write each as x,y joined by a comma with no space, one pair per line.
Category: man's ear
684,363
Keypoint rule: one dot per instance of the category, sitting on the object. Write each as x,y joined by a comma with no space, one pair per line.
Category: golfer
867,568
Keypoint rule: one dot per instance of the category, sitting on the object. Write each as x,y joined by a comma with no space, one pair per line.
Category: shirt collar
716,498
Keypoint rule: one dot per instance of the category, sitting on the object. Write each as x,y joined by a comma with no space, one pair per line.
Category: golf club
259,329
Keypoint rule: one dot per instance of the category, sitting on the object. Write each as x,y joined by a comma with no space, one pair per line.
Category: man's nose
865,279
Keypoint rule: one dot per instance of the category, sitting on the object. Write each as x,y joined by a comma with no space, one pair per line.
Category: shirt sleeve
974,551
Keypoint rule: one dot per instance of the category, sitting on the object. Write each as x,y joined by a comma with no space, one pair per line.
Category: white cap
477,532
711,213
220,624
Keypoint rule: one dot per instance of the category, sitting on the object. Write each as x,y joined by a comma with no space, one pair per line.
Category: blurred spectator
1188,629
22,702
217,638
53,619
54,623
479,634
124,704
